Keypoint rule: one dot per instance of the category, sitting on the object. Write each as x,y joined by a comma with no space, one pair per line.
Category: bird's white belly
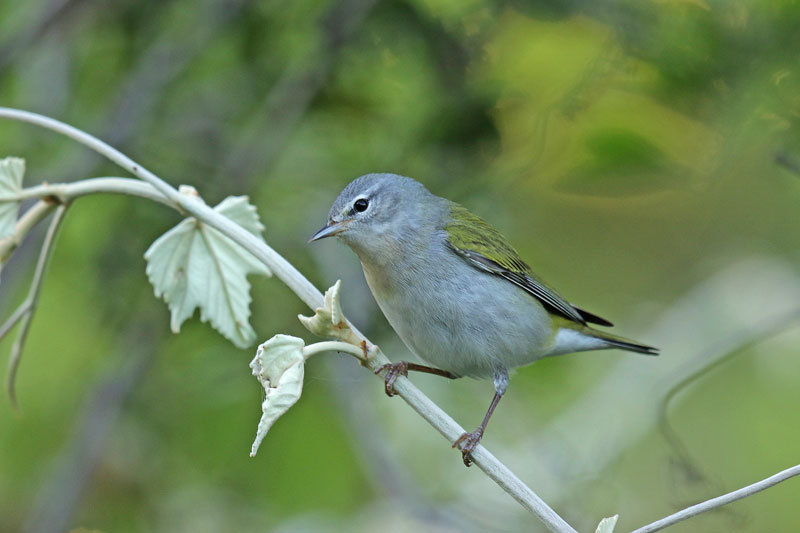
471,325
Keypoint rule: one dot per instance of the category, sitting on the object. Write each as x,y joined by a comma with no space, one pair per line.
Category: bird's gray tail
623,343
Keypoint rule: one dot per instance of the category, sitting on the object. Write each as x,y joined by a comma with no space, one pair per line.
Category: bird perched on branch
454,290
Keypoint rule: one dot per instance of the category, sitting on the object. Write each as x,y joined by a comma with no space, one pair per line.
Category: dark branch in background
55,12
66,482
265,137
788,161
161,64
140,91
712,359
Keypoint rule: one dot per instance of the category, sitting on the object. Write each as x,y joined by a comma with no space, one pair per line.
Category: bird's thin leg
469,441
401,369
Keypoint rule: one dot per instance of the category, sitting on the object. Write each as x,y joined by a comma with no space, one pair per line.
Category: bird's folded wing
476,241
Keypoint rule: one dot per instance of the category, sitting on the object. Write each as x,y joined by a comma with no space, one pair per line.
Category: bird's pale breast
459,318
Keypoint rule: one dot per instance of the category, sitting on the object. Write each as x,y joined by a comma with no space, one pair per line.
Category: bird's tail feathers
623,343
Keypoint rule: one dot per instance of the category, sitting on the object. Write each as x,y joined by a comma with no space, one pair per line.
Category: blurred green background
643,156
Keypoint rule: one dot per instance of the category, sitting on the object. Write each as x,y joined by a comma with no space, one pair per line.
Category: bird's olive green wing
485,248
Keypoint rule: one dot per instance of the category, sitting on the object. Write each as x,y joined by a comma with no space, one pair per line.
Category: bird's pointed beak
329,230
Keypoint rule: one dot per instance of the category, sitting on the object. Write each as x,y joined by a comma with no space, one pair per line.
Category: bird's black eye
361,205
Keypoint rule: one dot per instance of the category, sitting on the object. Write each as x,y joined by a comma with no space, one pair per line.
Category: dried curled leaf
194,265
279,367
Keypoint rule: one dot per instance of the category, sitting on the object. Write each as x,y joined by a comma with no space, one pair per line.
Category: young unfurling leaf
607,525
194,265
279,367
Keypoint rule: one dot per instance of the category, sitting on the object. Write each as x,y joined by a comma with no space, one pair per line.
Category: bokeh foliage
629,149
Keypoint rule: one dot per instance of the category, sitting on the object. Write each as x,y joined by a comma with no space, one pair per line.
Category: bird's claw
393,370
467,443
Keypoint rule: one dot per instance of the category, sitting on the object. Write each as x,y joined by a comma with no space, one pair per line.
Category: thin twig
287,273
65,192
32,300
719,501
14,318
24,225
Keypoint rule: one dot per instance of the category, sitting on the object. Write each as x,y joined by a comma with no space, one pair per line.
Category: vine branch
28,307
24,225
719,501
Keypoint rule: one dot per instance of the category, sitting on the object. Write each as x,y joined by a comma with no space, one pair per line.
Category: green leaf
607,525
279,367
11,171
194,265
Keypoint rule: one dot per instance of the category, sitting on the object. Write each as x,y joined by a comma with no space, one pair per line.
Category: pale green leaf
327,317
279,367
607,525
11,171
329,321
194,265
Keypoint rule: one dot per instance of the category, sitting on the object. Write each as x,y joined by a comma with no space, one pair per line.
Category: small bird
455,291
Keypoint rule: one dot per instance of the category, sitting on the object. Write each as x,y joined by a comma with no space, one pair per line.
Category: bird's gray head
378,212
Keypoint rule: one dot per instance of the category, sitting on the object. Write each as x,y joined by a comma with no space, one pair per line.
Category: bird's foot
393,370
467,443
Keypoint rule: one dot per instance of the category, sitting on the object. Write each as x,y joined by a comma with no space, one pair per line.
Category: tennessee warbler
454,290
